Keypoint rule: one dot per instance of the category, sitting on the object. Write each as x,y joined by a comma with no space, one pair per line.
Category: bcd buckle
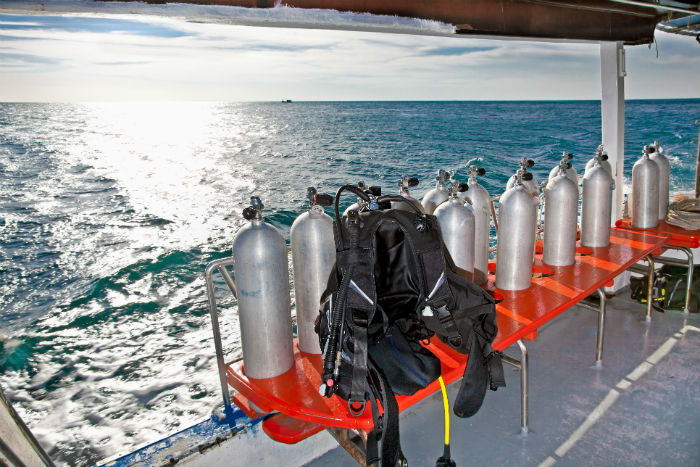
359,411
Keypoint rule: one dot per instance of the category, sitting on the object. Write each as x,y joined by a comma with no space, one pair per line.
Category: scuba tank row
463,211
650,187
517,217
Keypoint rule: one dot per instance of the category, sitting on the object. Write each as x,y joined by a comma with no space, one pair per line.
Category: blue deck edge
220,426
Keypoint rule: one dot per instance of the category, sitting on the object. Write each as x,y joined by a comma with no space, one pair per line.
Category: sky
144,58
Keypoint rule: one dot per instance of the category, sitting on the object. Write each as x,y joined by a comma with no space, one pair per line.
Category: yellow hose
446,404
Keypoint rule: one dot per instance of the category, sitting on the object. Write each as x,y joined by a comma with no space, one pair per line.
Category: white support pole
612,109
612,78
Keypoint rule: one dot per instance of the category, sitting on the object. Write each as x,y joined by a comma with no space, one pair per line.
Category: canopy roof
630,21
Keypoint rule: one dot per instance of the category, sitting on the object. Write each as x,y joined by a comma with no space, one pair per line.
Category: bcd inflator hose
327,380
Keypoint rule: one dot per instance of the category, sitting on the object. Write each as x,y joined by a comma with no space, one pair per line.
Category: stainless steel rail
219,265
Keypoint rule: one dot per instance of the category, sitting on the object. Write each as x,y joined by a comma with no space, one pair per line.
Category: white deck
642,407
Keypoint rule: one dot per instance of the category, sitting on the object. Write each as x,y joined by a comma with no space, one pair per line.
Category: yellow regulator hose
446,404
445,460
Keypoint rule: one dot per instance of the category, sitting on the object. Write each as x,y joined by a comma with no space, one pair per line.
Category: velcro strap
494,364
386,426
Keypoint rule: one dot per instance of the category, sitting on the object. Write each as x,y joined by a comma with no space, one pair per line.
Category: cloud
123,63
8,59
87,24
456,51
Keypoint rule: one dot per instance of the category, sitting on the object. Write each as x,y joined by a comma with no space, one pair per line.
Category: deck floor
641,408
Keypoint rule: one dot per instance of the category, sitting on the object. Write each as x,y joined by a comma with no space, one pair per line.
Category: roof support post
612,107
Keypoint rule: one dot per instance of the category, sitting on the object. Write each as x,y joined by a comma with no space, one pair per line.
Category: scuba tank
602,156
561,213
596,204
405,183
656,153
481,205
313,258
262,278
437,195
517,215
570,171
456,221
529,182
645,192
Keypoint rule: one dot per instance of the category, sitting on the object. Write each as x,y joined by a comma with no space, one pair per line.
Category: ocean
110,212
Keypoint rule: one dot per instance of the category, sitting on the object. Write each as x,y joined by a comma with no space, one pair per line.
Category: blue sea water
110,212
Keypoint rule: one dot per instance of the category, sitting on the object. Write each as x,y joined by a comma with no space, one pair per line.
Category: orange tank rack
305,412
677,236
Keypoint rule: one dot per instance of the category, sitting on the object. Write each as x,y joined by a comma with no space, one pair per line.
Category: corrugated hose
685,214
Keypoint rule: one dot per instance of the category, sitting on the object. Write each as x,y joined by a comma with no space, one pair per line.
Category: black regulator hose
357,191
398,199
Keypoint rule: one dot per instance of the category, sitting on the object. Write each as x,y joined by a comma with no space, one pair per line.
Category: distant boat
286,101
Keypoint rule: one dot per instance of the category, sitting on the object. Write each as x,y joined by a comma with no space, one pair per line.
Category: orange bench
303,412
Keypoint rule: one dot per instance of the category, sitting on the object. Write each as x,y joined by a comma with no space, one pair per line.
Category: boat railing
220,266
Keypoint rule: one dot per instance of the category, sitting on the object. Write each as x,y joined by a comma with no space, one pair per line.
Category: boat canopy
628,21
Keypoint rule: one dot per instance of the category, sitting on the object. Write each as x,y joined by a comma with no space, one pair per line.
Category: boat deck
641,407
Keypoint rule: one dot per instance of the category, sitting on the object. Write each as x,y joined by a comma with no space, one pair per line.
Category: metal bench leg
601,327
523,388
522,366
353,442
688,252
650,287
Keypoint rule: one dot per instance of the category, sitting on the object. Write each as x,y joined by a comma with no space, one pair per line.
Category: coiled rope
685,214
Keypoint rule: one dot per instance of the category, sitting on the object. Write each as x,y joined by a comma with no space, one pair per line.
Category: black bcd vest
392,288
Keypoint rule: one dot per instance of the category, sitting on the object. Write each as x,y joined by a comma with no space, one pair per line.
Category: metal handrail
219,265
19,445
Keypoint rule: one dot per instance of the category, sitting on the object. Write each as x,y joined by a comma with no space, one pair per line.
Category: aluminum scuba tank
645,192
313,258
516,236
456,219
561,213
405,183
602,156
596,206
657,155
264,311
529,183
570,171
437,195
481,205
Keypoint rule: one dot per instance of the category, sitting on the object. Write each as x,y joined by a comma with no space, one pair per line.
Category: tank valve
475,171
254,211
407,182
316,198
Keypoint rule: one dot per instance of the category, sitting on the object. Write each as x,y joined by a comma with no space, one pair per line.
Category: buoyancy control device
392,289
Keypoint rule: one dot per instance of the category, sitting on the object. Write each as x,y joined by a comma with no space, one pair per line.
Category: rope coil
685,214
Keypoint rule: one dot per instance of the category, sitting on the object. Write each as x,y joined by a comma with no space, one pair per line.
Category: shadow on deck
641,407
